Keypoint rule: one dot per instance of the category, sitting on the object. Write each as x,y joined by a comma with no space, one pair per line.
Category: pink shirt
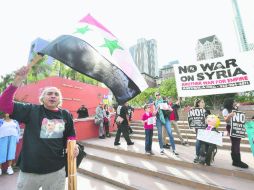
172,116
145,117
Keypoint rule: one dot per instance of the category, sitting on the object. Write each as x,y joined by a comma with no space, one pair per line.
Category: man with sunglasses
162,121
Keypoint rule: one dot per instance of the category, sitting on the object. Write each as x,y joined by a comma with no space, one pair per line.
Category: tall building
251,46
167,71
239,27
209,48
144,54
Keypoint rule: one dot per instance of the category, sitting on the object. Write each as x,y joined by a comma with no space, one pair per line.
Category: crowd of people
163,114
49,127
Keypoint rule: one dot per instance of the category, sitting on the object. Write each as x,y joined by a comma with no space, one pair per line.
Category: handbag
97,121
119,119
79,158
105,120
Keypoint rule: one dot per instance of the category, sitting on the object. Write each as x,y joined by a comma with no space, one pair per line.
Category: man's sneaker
184,143
162,152
116,144
1,172
151,153
175,153
148,153
196,159
167,146
130,143
10,170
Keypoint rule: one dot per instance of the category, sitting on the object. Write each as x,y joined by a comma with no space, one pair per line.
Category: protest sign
216,76
237,122
151,121
212,137
196,118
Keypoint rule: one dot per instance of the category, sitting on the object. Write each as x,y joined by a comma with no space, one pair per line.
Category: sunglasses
157,94
51,93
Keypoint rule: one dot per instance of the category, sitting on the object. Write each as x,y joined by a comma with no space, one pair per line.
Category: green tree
5,81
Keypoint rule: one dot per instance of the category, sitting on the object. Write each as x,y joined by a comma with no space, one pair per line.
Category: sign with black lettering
196,118
237,125
215,76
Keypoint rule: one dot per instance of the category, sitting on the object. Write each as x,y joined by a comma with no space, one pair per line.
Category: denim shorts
8,148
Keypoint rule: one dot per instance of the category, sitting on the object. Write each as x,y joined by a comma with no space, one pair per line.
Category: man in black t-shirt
45,136
123,126
82,112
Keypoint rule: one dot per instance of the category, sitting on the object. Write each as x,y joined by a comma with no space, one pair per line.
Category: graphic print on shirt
52,128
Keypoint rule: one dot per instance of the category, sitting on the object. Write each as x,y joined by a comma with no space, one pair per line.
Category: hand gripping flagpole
35,60
72,166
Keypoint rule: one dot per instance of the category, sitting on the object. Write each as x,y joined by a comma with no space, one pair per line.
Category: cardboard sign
237,125
212,137
151,121
196,118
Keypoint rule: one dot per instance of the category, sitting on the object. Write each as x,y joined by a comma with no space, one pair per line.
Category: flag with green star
93,50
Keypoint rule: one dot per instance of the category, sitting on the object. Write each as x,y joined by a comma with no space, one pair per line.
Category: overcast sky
175,24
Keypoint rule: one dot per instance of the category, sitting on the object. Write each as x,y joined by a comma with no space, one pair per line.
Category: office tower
144,54
208,48
239,27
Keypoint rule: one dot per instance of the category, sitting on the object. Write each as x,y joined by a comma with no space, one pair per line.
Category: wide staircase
128,167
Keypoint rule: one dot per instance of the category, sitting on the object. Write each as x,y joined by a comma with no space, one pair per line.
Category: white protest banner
237,125
196,118
216,76
151,121
210,136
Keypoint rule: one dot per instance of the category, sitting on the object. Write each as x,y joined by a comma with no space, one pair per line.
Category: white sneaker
10,170
1,172
162,152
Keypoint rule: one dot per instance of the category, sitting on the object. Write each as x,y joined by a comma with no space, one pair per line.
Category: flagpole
35,60
72,169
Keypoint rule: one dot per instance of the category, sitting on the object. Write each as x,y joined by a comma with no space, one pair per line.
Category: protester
9,137
99,116
230,106
150,100
42,160
174,117
82,112
161,122
199,103
166,144
106,119
148,126
122,111
130,113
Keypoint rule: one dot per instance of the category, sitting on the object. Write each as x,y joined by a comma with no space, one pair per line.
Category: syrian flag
94,51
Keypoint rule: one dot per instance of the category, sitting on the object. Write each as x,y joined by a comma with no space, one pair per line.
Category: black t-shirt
123,114
44,138
82,113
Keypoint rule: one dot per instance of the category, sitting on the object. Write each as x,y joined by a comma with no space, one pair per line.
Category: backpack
166,113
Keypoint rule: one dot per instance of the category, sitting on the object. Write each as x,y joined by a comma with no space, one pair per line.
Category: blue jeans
198,146
169,131
149,139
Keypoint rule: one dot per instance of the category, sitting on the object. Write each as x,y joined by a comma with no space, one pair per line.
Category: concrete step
225,175
192,142
116,173
180,126
9,182
189,136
